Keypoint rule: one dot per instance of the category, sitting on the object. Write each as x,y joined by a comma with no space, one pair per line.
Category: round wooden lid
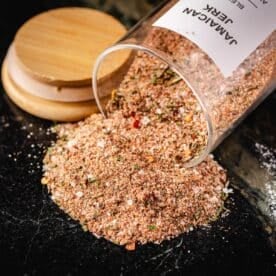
46,109
60,46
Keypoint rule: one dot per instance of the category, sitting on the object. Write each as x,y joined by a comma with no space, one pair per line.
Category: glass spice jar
225,53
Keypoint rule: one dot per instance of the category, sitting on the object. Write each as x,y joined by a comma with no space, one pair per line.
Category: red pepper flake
175,113
136,123
132,114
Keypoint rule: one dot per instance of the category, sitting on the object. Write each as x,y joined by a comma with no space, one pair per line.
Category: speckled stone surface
37,238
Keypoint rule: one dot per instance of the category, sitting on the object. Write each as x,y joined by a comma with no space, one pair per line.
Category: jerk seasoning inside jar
156,101
227,61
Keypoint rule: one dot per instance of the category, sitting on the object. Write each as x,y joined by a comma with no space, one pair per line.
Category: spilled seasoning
123,177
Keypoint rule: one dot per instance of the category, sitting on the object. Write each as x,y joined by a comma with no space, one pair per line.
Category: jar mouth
131,46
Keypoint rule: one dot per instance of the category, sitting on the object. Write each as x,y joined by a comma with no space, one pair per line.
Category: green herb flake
119,158
252,88
247,74
154,79
174,81
151,227
92,180
64,138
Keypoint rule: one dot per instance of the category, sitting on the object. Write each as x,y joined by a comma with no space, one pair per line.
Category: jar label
227,30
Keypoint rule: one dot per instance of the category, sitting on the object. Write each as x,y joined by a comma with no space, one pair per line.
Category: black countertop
37,238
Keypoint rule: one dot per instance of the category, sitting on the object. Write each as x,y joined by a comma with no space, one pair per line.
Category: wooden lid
60,46
51,110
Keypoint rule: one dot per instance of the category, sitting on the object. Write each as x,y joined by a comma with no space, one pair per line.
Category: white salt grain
227,190
145,120
101,143
158,111
79,194
181,110
71,143
129,202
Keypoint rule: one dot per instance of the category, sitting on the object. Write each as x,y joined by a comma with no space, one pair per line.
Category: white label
227,30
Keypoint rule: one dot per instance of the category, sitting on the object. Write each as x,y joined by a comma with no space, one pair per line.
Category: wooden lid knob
60,46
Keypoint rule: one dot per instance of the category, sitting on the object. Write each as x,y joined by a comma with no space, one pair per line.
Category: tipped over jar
224,51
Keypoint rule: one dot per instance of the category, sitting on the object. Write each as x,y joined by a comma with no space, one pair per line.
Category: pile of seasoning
123,177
